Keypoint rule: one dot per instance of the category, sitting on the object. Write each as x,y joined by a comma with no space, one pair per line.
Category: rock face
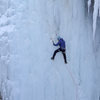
0,96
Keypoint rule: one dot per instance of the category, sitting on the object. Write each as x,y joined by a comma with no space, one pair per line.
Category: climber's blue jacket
60,43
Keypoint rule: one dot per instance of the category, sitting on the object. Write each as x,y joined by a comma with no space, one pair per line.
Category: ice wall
31,73
94,5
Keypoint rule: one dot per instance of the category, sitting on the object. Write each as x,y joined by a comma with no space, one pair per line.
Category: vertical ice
32,74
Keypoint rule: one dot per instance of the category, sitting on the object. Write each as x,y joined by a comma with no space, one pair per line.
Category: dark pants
63,52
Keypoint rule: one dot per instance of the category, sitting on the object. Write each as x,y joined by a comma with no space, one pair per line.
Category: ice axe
52,40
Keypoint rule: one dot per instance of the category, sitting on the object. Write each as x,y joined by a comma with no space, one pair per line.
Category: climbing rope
54,32
73,79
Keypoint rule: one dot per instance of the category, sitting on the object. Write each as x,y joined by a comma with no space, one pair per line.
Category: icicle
95,14
89,3
99,11
99,8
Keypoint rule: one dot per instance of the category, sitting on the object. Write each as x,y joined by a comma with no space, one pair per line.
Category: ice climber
62,48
